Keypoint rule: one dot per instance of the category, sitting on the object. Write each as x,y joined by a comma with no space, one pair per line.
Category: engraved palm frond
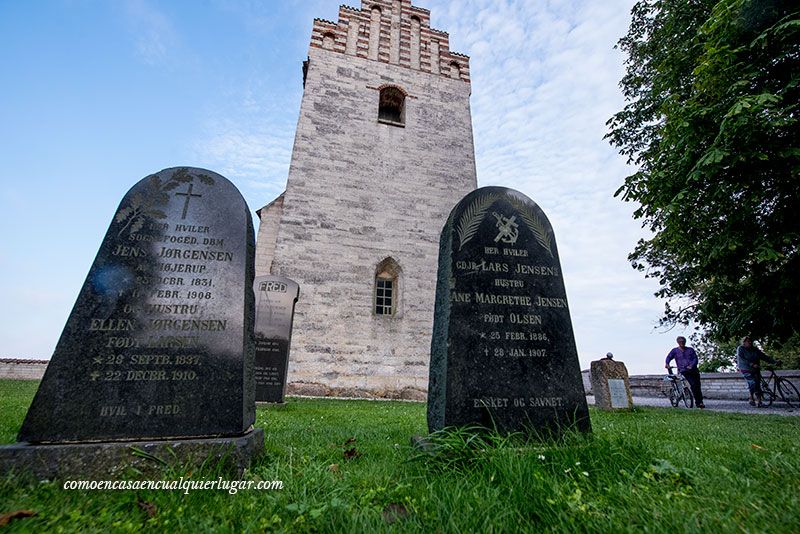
137,225
124,213
206,179
472,217
181,175
540,231
143,206
156,195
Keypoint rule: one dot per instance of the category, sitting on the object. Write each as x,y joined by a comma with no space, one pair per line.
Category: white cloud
154,34
247,153
250,142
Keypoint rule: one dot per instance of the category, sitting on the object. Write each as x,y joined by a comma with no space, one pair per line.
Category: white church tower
382,153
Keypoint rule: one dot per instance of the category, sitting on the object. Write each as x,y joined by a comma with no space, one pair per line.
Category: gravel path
716,405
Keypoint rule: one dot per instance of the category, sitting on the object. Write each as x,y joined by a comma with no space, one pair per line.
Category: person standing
748,360
686,360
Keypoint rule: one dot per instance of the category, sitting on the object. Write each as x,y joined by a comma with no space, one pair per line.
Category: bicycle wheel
688,398
673,397
788,393
768,396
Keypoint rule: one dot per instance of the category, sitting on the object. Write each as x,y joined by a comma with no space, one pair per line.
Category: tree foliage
714,356
788,352
713,92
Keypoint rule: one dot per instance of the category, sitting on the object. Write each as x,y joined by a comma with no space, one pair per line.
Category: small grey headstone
503,352
275,300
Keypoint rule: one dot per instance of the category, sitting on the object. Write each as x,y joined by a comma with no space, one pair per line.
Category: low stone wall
19,369
715,385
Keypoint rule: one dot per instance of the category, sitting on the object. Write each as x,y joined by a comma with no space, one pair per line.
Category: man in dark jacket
748,360
686,359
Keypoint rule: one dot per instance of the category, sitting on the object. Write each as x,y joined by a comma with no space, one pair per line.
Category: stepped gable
404,37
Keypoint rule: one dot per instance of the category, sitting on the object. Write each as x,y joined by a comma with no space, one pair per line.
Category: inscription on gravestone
503,352
619,395
159,342
275,300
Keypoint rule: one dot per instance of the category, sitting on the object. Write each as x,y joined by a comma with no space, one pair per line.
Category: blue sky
98,94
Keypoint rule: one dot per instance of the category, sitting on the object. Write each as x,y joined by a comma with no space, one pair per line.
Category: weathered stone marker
159,343
275,300
503,352
610,384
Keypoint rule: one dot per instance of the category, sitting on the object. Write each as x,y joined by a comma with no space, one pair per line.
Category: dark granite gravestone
275,300
159,343
503,352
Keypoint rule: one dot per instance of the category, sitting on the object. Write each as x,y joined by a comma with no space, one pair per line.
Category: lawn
348,466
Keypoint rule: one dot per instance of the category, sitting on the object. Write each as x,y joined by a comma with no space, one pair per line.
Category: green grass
652,470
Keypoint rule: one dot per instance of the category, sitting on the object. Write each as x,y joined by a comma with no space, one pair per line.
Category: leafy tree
787,352
713,91
714,356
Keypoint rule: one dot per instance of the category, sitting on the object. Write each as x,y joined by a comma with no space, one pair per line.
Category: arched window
387,287
392,106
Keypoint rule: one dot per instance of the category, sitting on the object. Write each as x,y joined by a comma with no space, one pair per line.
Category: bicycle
677,391
780,387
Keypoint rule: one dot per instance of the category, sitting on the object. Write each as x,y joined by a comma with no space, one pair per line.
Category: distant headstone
503,351
275,300
610,384
159,343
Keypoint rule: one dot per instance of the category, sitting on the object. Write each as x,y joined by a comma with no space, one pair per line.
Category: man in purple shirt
686,359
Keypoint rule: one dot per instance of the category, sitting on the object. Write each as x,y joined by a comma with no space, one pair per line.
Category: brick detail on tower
351,36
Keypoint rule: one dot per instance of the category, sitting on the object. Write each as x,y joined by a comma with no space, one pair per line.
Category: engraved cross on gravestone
188,196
